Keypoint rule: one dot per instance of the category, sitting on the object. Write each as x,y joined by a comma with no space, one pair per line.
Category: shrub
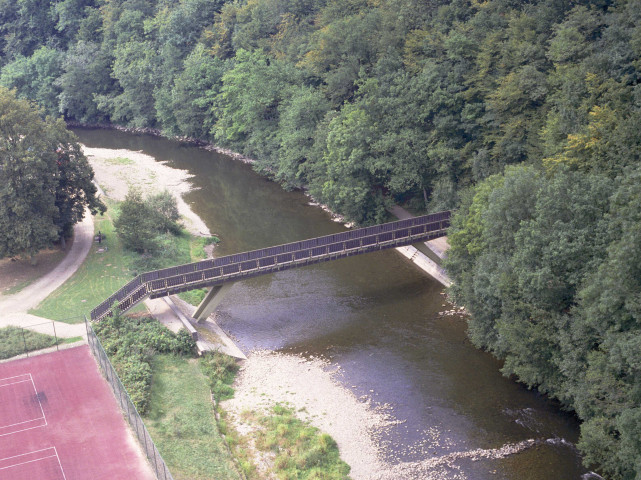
131,343
143,224
220,370
301,451
15,341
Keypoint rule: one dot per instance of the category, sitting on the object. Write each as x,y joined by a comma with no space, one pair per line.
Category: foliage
16,341
607,334
548,266
301,451
131,343
46,181
85,76
34,77
221,371
182,423
366,103
248,103
149,225
436,96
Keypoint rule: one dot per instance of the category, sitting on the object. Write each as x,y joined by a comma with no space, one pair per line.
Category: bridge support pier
211,301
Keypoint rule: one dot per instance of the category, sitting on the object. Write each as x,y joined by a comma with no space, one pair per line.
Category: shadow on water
377,317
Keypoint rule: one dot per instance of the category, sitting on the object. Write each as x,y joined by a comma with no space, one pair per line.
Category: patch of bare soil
17,273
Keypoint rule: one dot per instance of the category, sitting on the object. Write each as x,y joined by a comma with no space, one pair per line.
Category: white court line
23,430
55,454
27,462
60,464
23,454
21,423
15,376
35,391
14,383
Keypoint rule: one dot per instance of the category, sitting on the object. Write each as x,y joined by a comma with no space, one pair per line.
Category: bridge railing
211,270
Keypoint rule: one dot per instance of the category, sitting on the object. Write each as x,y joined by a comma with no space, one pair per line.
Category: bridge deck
207,273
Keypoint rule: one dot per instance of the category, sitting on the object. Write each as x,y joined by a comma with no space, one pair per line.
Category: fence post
133,418
24,341
55,334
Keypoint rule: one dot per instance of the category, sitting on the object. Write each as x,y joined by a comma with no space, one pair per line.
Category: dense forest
523,115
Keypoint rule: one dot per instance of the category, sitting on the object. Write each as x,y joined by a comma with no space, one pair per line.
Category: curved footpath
14,308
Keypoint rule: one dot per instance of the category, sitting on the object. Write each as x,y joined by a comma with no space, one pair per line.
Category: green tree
34,78
299,117
70,15
45,180
188,108
135,223
606,336
350,184
75,191
136,69
141,222
248,104
27,25
85,75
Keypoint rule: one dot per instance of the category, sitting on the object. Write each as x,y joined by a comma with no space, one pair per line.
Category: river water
377,316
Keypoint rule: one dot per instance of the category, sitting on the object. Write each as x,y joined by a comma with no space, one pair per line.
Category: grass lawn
181,421
107,268
101,274
16,341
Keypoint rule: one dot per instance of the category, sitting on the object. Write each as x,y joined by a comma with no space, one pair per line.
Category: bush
301,451
144,224
131,343
165,212
13,340
220,370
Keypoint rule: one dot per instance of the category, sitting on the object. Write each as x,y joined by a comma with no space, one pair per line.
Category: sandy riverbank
267,378
311,385
116,171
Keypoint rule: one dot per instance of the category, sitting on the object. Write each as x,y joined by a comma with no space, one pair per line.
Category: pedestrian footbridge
221,273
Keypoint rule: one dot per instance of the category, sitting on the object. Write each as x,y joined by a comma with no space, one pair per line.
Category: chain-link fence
127,406
24,341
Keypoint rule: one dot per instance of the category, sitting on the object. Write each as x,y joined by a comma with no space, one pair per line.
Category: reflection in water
377,316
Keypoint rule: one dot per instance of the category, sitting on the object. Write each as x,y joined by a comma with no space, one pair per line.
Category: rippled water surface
377,316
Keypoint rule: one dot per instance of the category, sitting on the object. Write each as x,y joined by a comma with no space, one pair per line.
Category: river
376,316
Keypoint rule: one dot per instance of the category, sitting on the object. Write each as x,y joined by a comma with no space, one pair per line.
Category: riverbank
308,384
157,133
357,425
311,388
116,171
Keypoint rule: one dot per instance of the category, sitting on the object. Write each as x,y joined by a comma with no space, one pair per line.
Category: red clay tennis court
59,420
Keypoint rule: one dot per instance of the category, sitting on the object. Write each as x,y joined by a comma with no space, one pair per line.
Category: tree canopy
45,180
548,267
442,94
523,115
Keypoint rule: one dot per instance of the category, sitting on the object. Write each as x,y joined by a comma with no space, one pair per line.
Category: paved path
14,308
